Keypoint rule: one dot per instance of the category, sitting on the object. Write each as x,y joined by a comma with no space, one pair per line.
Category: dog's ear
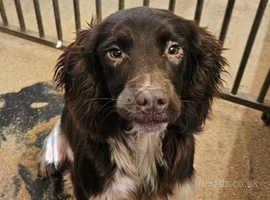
75,67
202,77
75,74
79,73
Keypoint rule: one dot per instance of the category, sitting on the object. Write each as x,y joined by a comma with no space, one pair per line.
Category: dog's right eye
115,53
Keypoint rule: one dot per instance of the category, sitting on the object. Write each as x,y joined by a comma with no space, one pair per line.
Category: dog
137,87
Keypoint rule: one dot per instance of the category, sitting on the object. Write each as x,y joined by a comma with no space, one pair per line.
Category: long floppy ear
72,66
80,74
201,79
76,74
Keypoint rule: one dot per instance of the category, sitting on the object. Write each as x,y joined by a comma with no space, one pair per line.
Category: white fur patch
121,184
122,188
138,157
57,148
185,191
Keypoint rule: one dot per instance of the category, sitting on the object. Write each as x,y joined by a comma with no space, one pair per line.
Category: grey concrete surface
232,154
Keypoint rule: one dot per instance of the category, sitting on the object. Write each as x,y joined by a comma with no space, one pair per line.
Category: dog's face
143,60
155,69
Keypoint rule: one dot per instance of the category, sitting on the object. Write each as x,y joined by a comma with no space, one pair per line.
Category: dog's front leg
55,153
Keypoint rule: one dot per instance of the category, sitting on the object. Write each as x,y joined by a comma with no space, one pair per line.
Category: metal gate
232,94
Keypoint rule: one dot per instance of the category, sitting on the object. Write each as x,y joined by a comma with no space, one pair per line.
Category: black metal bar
39,18
57,20
266,118
249,44
264,88
3,13
32,36
172,5
226,20
146,3
198,12
246,100
20,14
121,4
77,15
98,10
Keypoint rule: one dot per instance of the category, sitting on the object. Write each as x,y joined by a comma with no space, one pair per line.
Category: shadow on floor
26,118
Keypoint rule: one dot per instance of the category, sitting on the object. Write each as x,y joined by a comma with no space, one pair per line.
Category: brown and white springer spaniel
137,87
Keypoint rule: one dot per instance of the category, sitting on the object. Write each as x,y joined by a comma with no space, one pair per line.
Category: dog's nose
152,100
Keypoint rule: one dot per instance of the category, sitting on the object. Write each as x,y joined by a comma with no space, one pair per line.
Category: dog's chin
147,127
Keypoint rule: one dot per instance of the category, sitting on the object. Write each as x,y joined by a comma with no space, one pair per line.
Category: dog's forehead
136,14
139,21
137,26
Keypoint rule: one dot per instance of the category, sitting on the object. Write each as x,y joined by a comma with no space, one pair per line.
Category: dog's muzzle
148,101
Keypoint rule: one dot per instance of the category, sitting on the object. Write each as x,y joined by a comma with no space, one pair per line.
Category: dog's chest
137,161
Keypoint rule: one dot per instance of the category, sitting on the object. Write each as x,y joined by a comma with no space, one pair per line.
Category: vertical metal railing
77,15
57,20
20,14
121,4
38,18
226,20
171,5
146,3
198,12
249,44
264,88
3,13
98,10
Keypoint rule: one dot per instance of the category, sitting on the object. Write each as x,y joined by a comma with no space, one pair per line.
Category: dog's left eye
174,49
174,52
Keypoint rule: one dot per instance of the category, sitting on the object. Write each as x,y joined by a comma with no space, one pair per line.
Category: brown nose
152,100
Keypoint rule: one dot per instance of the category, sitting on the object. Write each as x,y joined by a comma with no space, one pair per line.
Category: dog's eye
115,53
174,49
174,52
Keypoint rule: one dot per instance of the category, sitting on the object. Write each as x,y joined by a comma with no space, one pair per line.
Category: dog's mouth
145,124
151,118
151,126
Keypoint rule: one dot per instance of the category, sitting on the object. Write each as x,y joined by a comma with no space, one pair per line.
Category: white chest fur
136,161
122,188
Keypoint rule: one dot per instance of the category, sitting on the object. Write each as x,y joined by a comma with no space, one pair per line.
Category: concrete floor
232,153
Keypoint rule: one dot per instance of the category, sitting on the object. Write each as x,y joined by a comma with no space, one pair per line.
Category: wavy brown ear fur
201,79
71,63
78,72
201,83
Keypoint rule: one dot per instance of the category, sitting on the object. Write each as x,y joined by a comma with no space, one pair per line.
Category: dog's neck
137,157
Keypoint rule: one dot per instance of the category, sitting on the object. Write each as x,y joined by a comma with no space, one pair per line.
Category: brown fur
97,128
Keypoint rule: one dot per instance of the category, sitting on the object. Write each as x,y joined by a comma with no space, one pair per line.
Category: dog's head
142,68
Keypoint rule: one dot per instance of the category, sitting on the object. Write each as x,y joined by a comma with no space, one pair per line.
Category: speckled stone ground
232,154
